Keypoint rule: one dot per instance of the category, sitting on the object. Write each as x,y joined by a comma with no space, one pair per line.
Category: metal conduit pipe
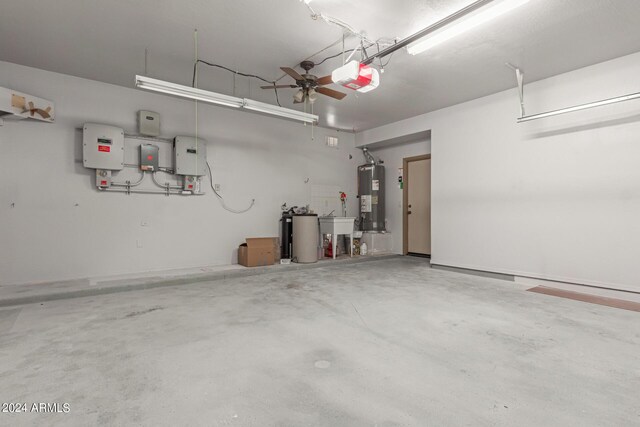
148,138
128,183
174,187
367,155
123,190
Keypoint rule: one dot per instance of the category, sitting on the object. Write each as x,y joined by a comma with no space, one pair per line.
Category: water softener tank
305,238
371,194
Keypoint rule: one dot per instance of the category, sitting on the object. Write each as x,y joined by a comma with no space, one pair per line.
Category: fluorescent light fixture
182,91
188,92
274,110
580,107
464,24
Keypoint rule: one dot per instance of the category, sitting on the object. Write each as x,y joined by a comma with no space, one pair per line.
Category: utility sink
335,225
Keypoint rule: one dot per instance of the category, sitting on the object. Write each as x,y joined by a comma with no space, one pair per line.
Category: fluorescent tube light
464,24
274,110
580,107
182,91
188,92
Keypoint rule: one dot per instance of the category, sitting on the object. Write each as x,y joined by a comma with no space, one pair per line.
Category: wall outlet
144,223
139,243
217,187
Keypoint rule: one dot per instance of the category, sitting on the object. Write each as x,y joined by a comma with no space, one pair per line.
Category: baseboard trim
471,272
417,255
21,295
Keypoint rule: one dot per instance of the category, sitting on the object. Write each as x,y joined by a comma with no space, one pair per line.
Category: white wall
61,227
393,156
555,199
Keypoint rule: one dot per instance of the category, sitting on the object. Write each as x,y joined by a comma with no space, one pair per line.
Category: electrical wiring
382,65
334,56
334,21
253,201
129,183
345,26
388,60
351,51
310,57
166,185
238,73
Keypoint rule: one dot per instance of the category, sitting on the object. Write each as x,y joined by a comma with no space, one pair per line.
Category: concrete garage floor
385,343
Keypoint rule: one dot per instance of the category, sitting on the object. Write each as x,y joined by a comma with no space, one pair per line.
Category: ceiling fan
309,85
33,110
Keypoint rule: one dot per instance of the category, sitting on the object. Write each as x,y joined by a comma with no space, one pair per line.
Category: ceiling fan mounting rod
428,30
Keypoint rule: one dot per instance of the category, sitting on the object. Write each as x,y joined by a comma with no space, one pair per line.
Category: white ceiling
106,40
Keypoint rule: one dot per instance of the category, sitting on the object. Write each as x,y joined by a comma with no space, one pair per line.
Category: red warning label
104,148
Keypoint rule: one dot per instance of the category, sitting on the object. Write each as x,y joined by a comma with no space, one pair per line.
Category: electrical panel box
149,157
103,178
102,147
191,183
148,123
191,156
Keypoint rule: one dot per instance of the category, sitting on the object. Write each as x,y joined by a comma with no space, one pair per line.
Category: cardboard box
258,251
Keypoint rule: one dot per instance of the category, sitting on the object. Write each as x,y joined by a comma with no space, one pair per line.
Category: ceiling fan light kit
299,96
357,76
187,92
312,95
309,86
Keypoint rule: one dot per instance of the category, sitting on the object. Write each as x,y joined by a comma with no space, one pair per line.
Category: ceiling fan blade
278,87
43,113
330,92
326,80
293,73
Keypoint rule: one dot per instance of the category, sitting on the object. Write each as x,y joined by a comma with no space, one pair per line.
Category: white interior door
419,207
